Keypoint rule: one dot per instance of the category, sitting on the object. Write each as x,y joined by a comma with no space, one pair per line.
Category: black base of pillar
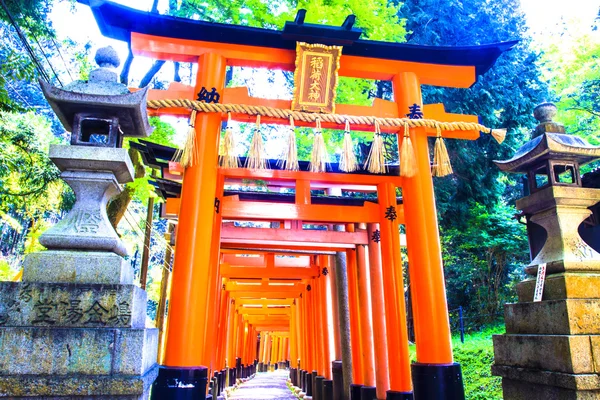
327,389
303,380
293,376
355,391
391,395
438,381
318,391
368,393
309,384
338,380
180,383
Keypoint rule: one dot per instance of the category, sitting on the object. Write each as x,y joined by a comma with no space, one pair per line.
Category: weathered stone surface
559,379
86,158
519,390
554,317
560,353
87,267
560,210
64,351
563,286
69,305
86,226
78,387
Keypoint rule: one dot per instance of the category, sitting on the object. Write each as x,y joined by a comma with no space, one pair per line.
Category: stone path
265,386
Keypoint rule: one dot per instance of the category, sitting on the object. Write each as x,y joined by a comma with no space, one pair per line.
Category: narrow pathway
265,386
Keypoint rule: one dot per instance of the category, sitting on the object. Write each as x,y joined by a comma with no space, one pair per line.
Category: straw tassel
376,160
229,159
256,154
289,159
319,157
498,134
408,161
348,158
441,160
189,155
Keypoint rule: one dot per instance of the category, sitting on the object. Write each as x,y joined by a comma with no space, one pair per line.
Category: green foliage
6,272
29,183
503,97
377,18
482,255
572,65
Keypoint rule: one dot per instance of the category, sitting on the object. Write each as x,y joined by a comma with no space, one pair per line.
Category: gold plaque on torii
316,77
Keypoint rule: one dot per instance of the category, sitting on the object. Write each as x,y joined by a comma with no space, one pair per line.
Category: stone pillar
552,343
75,326
551,347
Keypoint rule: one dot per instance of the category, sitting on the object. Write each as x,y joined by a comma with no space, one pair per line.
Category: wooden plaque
316,77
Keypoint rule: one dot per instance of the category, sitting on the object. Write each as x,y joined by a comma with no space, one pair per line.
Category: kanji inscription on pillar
316,77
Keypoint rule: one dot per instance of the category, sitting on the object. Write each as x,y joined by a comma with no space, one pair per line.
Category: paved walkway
265,386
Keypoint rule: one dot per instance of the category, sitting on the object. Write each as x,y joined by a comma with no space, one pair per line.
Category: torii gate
196,274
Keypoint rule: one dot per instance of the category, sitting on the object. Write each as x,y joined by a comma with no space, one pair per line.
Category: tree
571,63
482,260
30,188
503,97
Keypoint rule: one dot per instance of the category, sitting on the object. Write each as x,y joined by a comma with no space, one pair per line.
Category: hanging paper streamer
256,154
289,159
229,159
189,155
319,157
441,160
348,158
376,160
408,161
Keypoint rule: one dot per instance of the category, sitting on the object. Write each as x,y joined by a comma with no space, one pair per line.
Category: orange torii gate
192,342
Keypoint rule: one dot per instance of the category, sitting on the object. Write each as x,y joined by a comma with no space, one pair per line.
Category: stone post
75,326
552,346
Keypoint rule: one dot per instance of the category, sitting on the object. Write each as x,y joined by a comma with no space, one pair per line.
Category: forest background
484,245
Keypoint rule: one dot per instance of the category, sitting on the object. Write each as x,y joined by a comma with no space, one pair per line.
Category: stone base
519,390
77,387
562,286
77,267
86,351
583,382
72,306
554,317
574,354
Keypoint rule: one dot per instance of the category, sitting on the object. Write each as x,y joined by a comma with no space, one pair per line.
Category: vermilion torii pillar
435,375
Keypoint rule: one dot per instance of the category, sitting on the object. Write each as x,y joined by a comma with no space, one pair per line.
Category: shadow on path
265,386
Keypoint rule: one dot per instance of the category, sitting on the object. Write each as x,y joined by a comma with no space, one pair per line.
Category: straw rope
264,111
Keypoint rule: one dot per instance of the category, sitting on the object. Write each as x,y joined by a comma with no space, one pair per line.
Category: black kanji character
209,97
376,236
96,314
390,213
415,112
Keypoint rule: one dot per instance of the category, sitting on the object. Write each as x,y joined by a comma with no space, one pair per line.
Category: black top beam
117,22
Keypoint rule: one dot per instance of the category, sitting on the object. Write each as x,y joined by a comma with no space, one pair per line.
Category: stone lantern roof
101,95
550,142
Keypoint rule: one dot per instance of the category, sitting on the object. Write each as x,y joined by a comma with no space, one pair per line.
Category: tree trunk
151,73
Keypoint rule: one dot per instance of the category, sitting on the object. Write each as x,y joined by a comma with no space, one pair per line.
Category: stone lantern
75,326
551,347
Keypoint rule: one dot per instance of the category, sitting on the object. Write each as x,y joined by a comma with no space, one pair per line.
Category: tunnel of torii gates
281,294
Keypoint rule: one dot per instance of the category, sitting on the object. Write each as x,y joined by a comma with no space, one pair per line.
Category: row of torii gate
323,281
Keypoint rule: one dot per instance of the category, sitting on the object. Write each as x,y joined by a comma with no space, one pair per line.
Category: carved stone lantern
100,111
552,342
557,201
75,326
